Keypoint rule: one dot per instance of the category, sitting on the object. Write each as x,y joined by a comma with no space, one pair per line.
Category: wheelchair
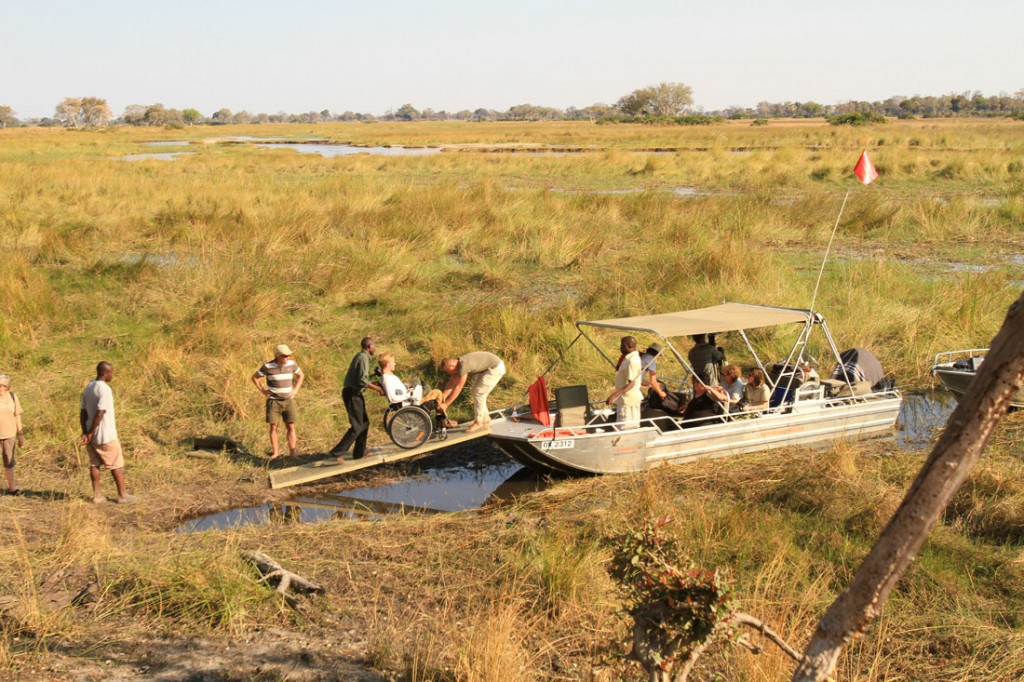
410,426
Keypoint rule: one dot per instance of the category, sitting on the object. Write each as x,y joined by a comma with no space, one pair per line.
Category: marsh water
474,474
333,150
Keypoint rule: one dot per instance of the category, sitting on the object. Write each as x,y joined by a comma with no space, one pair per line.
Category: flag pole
814,296
865,172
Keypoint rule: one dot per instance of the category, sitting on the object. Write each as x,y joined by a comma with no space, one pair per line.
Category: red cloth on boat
539,401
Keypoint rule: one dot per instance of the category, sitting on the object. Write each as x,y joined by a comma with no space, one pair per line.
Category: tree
134,115
95,112
664,99
671,99
958,449
6,116
156,115
67,111
87,112
191,116
407,112
222,116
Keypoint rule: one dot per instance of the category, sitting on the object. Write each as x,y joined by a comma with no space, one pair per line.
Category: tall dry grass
185,274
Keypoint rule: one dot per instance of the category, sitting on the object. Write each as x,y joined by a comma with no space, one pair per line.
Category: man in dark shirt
357,380
706,360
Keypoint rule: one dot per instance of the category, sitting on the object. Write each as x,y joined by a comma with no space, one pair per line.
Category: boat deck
327,468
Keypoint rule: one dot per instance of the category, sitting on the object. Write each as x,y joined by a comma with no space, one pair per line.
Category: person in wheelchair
402,394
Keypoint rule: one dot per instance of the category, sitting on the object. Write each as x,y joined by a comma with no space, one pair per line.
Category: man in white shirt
627,395
396,390
99,434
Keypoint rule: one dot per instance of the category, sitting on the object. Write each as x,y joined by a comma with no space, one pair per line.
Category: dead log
286,580
951,460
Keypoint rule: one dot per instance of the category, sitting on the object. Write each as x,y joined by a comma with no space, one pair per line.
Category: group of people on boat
718,388
480,370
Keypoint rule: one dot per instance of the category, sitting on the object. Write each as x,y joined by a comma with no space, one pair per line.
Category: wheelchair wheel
410,427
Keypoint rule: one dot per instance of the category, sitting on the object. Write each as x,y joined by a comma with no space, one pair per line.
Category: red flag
865,170
539,401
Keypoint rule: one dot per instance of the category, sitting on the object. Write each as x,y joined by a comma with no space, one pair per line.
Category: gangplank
384,454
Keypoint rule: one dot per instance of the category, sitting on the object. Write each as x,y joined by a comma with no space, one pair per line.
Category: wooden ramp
326,468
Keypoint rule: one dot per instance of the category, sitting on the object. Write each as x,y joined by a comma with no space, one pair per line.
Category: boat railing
950,356
809,395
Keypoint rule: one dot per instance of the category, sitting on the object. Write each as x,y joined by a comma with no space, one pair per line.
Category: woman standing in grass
10,429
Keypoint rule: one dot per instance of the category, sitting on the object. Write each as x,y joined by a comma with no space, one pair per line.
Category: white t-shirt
98,396
627,372
398,392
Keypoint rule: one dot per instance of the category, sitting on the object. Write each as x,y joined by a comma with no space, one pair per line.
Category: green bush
856,118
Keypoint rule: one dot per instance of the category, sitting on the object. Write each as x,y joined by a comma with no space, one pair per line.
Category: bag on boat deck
539,401
673,402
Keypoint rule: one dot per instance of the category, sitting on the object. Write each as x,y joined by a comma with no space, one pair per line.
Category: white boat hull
609,450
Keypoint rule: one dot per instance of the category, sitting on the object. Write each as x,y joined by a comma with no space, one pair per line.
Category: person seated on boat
627,395
860,369
708,402
400,393
756,393
808,374
649,363
732,383
705,359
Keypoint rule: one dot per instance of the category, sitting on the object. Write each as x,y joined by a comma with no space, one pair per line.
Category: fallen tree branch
271,570
732,621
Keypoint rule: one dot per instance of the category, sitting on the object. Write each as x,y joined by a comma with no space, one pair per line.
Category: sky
374,55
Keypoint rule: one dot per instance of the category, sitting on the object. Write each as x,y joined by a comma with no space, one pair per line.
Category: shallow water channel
475,474
332,150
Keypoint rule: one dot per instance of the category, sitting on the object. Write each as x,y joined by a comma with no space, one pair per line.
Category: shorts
106,456
7,446
282,409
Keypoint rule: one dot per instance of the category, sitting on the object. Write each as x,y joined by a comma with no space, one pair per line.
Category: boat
584,438
956,370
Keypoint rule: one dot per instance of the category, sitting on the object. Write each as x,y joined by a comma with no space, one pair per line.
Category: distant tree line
662,103
944,106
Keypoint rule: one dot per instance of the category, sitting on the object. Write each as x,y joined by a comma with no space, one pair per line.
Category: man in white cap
284,378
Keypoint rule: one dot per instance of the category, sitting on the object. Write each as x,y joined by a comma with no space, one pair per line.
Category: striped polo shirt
279,378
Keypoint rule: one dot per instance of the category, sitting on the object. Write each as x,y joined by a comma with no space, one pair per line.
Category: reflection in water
161,156
332,150
465,477
922,416
474,475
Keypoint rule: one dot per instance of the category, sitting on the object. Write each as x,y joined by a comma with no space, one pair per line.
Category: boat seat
573,404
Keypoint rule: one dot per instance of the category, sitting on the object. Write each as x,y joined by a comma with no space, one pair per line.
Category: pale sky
372,55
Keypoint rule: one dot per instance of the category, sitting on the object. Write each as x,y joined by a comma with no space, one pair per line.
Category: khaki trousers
629,415
483,384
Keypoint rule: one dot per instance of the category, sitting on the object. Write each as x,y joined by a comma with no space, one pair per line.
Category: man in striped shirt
283,380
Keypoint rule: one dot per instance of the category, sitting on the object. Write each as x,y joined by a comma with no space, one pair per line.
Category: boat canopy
719,318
